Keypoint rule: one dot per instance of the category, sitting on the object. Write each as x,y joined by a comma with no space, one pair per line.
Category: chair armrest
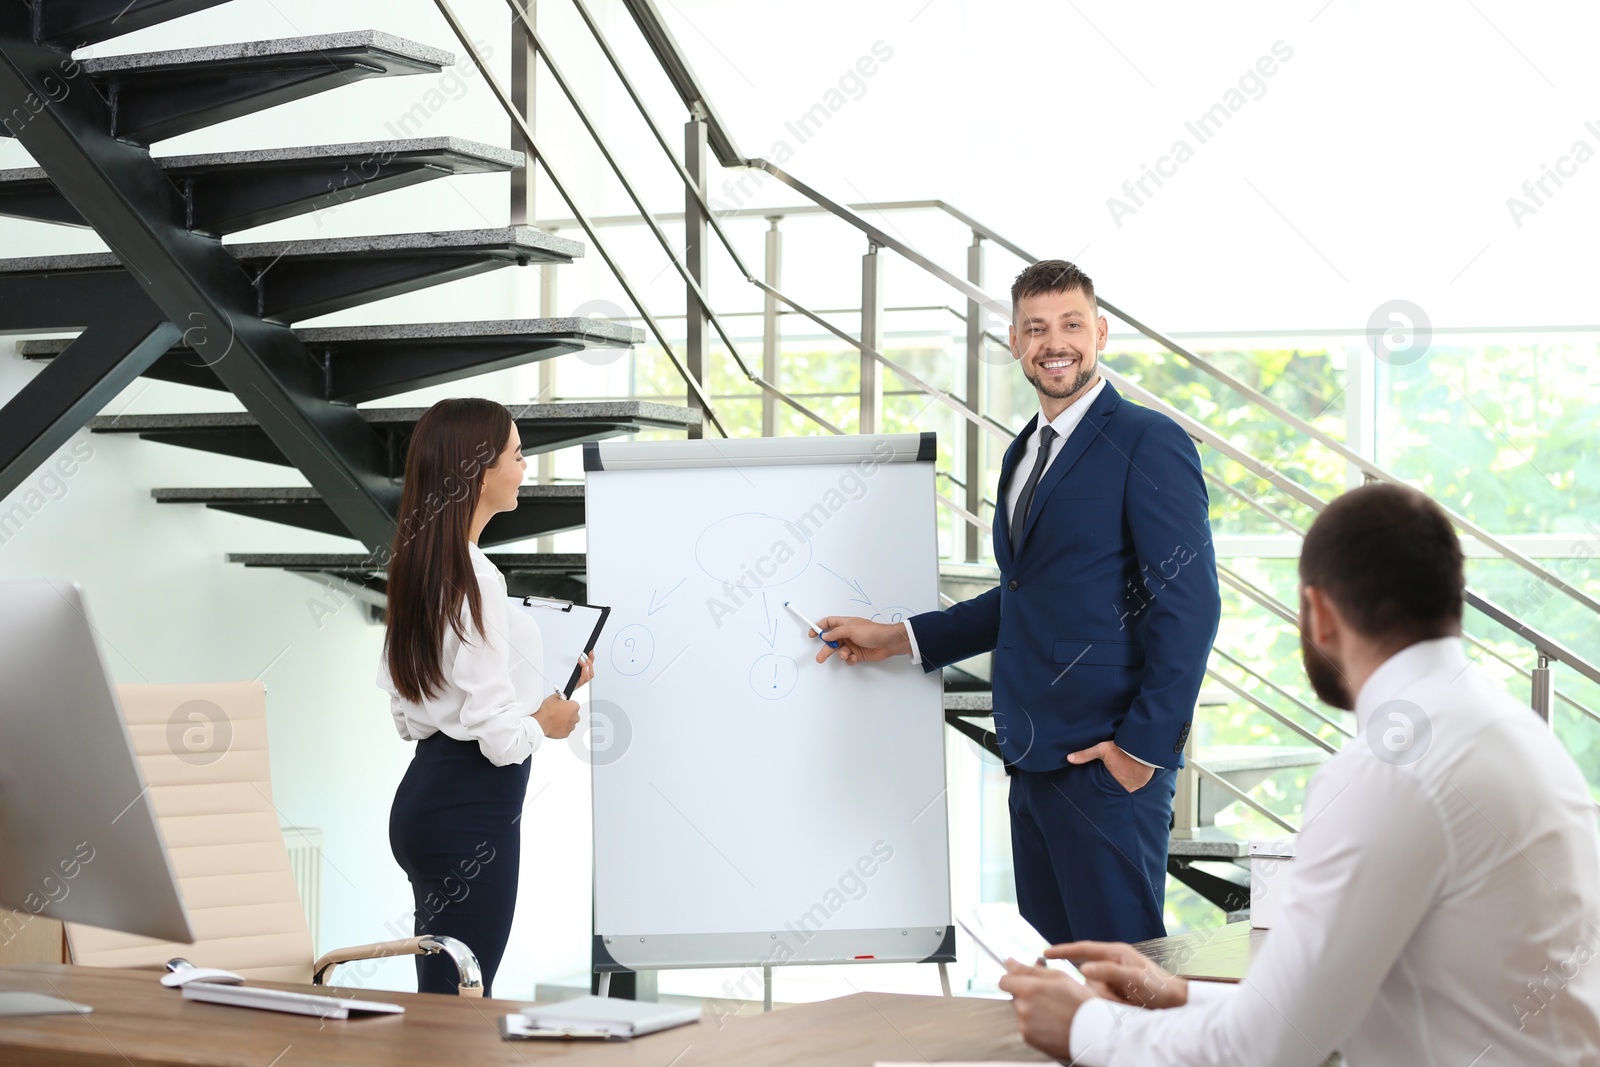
469,980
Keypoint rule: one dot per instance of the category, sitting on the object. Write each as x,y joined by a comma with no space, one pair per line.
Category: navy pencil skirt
455,829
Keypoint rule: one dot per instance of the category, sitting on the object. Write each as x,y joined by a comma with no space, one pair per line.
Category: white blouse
493,682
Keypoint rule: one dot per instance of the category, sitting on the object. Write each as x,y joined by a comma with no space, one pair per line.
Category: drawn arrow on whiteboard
862,597
771,636
654,607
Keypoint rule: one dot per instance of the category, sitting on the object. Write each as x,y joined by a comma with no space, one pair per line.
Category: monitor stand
15,1004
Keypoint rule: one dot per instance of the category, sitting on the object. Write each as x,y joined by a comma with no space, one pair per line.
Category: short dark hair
1051,276
1389,559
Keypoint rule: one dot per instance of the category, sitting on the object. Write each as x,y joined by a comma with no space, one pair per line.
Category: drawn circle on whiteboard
893,613
773,677
753,550
632,649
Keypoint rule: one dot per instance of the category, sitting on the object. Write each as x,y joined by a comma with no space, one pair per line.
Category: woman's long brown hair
430,572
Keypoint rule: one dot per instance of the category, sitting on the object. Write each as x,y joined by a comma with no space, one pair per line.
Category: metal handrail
628,186
1283,611
532,144
660,39
1240,795
1282,692
1262,705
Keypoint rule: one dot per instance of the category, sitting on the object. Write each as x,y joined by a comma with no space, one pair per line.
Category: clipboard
567,631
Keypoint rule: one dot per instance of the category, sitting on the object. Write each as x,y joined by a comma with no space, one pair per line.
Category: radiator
305,860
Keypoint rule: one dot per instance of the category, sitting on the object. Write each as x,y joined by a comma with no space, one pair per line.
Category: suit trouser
454,829
1091,858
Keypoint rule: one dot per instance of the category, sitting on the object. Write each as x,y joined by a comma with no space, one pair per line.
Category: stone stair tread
520,239
1208,842
417,331
977,701
598,409
315,45
490,156
1232,759
559,561
301,493
592,329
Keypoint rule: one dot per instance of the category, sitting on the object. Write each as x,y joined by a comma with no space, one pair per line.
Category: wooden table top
139,1023
1219,953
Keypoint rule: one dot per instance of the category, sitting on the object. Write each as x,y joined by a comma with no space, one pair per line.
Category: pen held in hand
809,624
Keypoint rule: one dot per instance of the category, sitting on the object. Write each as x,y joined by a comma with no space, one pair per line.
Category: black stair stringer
47,103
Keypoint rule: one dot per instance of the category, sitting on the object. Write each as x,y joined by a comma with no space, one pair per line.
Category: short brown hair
1051,276
1389,559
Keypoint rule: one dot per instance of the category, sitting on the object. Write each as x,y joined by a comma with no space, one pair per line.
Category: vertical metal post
1542,690
1361,410
973,446
545,469
770,331
766,988
1186,801
871,417
524,58
944,979
697,326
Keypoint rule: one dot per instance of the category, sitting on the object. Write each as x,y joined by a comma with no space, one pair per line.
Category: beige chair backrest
206,767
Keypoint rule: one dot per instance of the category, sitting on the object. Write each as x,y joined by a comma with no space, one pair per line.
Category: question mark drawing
632,649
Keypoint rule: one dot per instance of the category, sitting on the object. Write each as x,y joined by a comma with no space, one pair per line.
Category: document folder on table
567,630
600,1016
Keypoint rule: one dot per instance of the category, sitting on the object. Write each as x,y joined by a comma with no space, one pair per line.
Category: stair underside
80,22
553,574
294,280
225,192
541,509
541,427
361,363
157,95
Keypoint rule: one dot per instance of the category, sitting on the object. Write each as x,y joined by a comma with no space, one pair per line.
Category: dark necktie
1047,437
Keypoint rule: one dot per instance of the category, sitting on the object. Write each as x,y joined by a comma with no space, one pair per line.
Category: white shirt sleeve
916,653
397,703
1362,881
505,729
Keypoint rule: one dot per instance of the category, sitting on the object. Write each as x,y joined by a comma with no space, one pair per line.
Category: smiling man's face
1057,338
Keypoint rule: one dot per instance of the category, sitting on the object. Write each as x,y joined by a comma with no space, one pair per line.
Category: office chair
203,751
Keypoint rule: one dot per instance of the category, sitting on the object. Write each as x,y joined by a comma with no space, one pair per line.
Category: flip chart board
752,806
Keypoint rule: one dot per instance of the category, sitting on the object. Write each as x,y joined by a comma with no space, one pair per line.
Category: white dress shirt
1063,424
1442,909
493,682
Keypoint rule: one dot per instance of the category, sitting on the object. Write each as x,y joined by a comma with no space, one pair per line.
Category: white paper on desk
560,630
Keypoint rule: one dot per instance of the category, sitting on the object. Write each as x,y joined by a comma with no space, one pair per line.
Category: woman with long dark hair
463,673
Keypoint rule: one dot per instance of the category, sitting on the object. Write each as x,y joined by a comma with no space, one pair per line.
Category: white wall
1377,164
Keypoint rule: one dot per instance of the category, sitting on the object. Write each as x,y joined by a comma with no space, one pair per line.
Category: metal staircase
171,302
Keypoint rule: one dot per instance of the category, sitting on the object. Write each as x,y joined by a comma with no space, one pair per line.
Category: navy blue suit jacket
1104,617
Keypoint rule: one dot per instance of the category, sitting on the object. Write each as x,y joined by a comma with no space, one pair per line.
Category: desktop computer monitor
79,840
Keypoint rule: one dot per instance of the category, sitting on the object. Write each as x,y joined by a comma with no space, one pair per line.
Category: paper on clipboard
567,631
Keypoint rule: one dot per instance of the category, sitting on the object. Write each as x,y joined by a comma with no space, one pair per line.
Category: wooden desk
139,1023
1221,953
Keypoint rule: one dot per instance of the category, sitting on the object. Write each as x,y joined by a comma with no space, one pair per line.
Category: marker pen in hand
809,624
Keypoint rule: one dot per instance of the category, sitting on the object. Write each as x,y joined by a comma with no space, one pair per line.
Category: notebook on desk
590,1016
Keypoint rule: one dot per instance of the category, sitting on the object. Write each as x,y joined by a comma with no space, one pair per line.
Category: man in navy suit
1100,627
